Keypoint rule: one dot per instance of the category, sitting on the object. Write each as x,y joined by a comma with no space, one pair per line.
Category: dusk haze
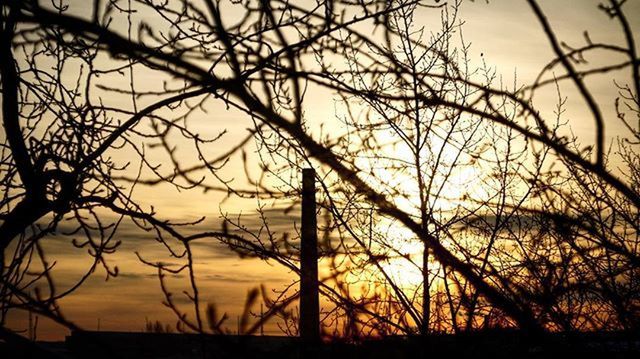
319,178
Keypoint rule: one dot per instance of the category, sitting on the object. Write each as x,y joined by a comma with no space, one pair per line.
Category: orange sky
503,33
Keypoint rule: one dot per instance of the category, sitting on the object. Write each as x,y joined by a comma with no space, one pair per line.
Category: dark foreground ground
494,344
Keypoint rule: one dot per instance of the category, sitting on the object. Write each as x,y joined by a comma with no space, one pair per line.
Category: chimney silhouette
309,304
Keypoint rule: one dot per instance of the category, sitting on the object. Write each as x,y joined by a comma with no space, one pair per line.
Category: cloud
233,278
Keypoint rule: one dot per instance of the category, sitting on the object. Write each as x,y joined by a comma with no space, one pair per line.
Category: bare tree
71,159
514,239
504,258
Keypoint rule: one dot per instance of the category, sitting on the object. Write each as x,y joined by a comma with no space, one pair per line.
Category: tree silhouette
71,162
549,243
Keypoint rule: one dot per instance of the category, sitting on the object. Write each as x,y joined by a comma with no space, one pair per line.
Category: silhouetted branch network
451,201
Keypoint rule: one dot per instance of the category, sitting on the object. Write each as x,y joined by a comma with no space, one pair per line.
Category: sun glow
448,178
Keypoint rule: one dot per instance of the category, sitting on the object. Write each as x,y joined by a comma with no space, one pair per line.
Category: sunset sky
503,34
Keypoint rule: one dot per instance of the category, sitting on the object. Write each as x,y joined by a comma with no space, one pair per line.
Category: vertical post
309,304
